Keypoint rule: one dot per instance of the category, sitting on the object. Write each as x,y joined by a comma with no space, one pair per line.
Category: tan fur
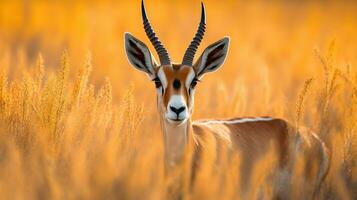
251,138
254,139
202,141
172,73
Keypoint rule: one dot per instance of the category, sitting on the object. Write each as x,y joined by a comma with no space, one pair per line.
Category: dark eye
194,83
157,82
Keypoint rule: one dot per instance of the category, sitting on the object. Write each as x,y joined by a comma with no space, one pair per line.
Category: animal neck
177,139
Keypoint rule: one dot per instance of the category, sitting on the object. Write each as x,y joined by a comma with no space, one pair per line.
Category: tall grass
79,125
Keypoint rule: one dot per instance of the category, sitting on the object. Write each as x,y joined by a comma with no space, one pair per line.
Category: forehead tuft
176,70
176,67
179,72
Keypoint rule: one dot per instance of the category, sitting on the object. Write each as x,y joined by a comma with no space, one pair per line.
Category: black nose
177,110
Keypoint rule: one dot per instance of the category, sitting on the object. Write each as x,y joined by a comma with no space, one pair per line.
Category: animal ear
139,55
212,57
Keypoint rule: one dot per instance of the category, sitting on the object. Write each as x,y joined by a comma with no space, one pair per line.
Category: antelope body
251,137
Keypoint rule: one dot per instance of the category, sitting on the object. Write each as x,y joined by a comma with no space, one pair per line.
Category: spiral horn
160,49
191,50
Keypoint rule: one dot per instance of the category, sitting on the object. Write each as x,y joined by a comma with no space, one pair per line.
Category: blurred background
275,36
290,59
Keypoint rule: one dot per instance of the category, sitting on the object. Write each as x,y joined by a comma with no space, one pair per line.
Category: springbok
251,137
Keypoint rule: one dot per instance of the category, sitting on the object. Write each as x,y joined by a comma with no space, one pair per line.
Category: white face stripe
177,101
162,77
236,121
189,78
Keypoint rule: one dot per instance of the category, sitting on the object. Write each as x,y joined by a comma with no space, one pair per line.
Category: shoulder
257,126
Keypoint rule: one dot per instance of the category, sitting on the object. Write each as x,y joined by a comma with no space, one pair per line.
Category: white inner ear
190,77
154,62
214,61
148,63
148,58
217,62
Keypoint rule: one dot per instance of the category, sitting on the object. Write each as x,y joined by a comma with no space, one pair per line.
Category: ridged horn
191,50
160,49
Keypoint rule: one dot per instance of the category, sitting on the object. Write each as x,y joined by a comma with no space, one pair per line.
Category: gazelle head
175,83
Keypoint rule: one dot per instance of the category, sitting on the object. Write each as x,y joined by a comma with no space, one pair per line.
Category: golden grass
84,125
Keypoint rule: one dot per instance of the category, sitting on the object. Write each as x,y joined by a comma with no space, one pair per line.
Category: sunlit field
78,122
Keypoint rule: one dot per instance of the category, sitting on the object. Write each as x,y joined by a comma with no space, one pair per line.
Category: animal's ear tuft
139,54
212,57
